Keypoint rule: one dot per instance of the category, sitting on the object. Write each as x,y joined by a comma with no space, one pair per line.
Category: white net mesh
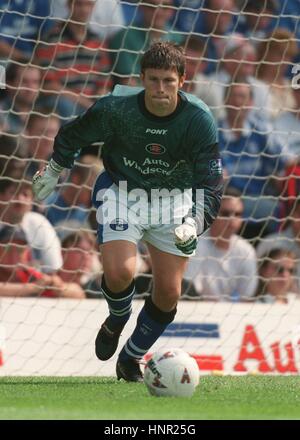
56,60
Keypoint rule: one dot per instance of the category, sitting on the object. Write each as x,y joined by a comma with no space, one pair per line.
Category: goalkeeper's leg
119,262
157,313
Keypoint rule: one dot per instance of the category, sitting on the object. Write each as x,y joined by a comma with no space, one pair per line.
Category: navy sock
119,304
151,323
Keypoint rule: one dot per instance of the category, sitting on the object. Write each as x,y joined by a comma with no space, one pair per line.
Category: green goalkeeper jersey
149,152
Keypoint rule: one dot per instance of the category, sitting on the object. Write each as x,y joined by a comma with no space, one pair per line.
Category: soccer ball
171,372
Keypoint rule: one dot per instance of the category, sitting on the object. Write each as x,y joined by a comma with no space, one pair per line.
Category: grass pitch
216,398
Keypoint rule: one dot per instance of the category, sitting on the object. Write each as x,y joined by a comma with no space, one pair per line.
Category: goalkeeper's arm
207,194
82,132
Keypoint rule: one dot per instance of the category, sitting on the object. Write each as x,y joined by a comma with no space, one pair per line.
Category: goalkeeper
155,138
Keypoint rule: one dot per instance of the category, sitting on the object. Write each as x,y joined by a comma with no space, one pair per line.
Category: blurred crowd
59,56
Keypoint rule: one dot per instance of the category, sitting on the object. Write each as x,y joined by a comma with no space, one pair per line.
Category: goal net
240,309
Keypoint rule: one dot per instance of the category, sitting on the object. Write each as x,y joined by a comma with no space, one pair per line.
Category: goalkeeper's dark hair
164,55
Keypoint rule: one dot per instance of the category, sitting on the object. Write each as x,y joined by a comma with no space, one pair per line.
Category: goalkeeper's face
161,90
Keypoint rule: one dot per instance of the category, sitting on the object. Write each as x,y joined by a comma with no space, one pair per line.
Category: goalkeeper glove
44,181
186,236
